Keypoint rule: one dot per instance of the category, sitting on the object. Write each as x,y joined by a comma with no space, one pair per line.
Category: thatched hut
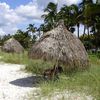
61,45
12,46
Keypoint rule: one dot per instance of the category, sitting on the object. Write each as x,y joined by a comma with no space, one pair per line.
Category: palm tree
50,18
91,12
86,14
31,28
69,14
91,18
76,19
66,15
97,2
41,28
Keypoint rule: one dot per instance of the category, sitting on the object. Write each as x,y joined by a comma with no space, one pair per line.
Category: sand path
14,83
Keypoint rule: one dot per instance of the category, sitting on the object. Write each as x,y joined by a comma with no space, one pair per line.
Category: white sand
14,83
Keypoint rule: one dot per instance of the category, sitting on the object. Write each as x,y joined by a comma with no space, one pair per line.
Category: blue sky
16,3
17,14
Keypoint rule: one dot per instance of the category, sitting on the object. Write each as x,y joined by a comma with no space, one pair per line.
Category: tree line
26,38
87,13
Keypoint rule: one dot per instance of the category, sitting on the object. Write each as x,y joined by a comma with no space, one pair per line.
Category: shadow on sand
31,81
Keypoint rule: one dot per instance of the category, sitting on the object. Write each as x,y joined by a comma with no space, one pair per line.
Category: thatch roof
12,46
60,44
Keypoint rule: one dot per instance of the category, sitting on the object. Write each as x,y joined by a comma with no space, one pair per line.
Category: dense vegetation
86,13
26,38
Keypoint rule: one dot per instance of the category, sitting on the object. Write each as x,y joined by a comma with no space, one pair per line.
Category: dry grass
87,81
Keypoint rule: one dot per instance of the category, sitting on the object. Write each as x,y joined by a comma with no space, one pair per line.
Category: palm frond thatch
12,46
60,45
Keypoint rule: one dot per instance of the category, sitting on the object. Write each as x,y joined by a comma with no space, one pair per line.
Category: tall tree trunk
84,31
94,33
39,33
97,1
88,32
78,30
88,37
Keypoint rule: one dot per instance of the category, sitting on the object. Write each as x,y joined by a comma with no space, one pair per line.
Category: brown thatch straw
60,45
12,46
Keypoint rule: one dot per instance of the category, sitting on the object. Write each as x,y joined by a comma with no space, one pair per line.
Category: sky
17,14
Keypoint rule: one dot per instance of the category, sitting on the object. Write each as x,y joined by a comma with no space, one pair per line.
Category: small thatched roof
12,45
60,44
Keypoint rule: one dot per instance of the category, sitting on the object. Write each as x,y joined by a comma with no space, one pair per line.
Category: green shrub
38,66
98,55
14,58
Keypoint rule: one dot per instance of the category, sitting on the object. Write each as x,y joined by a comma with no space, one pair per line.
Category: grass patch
37,66
34,66
14,58
87,81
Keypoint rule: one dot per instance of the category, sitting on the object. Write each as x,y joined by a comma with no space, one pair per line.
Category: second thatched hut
12,46
61,45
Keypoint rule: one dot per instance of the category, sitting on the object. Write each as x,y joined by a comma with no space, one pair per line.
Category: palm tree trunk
88,36
88,33
84,31
78,30
97,1
94,32
39,34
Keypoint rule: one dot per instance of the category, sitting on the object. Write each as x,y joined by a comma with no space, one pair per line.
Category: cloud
69,2
43,3
7,15
30,10
11,19
1,31
8,19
